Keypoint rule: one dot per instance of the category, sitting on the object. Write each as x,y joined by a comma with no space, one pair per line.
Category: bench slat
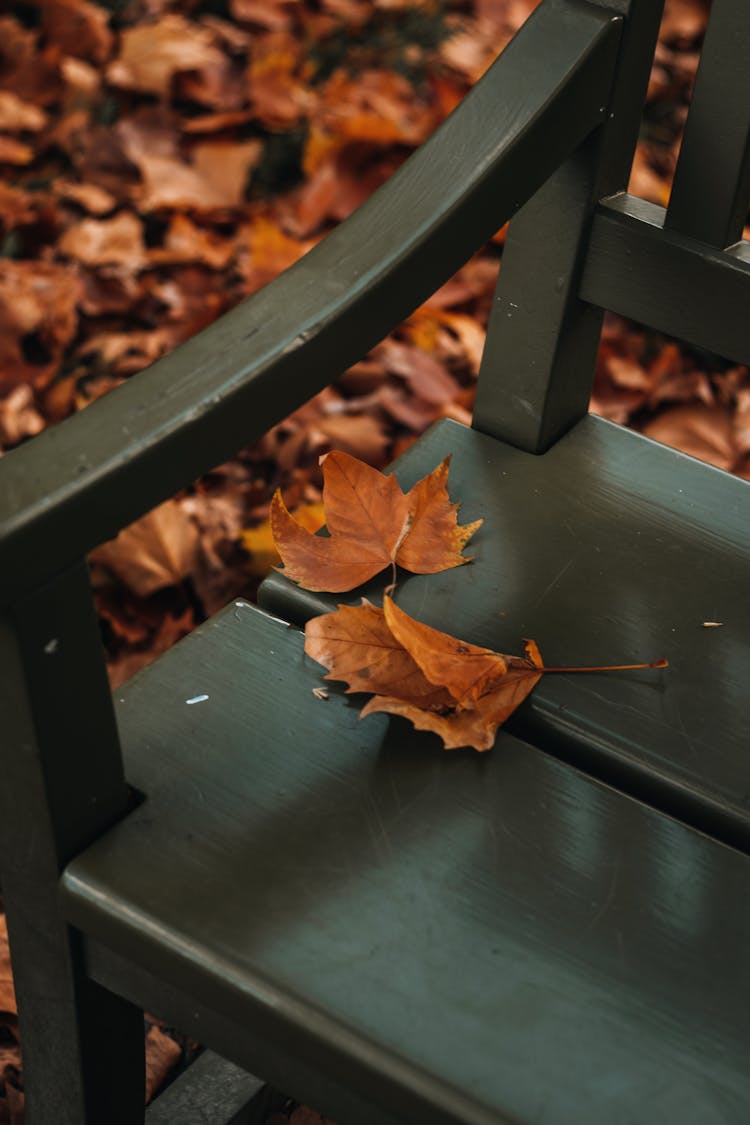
608,548
456,937
666,280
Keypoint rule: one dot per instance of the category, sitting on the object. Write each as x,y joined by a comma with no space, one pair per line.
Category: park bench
556,931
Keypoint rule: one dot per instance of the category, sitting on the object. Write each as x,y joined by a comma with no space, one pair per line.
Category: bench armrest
78,483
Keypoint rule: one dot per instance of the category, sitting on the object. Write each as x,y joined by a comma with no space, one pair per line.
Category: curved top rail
81,481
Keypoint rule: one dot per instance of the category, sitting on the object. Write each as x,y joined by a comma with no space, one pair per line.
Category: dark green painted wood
80,482
538,364
670,282
59,732
607,549
461,937
711,185
213,1091
62,784
257,1052
392,932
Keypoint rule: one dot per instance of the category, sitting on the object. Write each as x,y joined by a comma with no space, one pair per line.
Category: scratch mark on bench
554,582
610,895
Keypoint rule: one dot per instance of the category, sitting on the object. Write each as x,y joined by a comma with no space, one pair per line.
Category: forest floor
162,160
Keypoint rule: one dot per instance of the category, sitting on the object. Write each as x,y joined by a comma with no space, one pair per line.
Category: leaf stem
388,591
611,667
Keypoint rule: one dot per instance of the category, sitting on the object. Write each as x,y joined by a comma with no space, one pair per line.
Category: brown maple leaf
357,646
19,417
18,115
78,28
38,301
162,1054
372,524
152,54
157,550
460,691
7,993
466,670
96,242
258,541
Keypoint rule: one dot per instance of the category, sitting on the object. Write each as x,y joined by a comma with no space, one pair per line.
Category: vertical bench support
62,785
712,180
538,363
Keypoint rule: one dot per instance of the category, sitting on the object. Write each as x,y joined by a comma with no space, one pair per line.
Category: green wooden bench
554,932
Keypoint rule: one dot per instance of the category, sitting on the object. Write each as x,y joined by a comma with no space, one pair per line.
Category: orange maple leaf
372,524
7,993
157,550
460,691
357,646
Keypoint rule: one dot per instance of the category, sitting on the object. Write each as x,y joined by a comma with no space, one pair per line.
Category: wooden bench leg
213,1091
62,785
82,1046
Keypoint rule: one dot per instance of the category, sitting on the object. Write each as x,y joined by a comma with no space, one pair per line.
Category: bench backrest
667,269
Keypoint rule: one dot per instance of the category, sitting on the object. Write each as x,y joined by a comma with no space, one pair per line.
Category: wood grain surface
462,937
609,548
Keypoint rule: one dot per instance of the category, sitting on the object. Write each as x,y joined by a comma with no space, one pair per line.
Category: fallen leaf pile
372,524
159,162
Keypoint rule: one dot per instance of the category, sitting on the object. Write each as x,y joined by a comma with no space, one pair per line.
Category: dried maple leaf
426,376
19,417
7,993
216,177
162,1054
14,152
277,97
38,311
156,551
271,14
357,646
90,197
683,20
705,432
97,242
354,433
152,54
372,524
435,539
78,28
378,106
184,241
466,670
169,630
259,540
478,725
460,691
18,115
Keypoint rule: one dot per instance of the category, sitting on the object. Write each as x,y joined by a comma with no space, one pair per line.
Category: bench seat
460,937
607,549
